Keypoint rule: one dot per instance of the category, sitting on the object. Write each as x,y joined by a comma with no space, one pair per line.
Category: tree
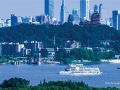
15,82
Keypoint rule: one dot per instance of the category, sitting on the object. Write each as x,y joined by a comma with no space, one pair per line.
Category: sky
36,7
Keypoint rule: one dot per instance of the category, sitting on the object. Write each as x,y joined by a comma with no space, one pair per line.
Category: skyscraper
14,20
49,8
100,10
62,12
84,9
116,19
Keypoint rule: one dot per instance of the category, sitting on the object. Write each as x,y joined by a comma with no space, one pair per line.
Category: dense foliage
87,35
15,84
22,84
82,54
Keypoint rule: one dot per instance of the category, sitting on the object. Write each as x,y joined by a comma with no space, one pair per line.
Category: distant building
10,49
100,10
75,45
62,11
76,18
27,20
19,20
116,19
117,56
2,23
43,19
72,44
33,45
109,22
70,18
14,20
40,19
8,22
84,9
95,18
49,8
32,49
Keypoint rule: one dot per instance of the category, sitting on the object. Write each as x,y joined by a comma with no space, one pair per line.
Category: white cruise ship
79,69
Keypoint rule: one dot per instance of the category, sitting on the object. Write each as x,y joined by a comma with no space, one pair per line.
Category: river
34,73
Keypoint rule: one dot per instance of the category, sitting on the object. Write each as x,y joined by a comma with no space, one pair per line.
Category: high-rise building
100,10
84,9
116,19
14,20
49,8
62,12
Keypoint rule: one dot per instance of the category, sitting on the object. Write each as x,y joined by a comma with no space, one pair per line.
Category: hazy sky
36,7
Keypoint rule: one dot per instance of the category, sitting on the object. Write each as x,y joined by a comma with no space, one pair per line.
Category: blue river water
109,78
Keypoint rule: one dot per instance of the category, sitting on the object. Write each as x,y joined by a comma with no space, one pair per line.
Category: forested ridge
87,35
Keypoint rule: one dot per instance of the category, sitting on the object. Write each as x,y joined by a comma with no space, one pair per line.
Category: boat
80,69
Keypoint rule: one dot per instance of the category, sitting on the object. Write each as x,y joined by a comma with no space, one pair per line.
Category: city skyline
37,7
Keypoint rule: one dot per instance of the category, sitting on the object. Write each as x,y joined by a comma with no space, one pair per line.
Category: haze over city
36,7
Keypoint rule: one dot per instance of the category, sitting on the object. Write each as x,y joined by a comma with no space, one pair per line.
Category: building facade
84,9
116,19
49,8
95,18
62,12
76,18
14,20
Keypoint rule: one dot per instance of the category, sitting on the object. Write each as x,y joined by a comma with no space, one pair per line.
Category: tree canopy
22,84
87,35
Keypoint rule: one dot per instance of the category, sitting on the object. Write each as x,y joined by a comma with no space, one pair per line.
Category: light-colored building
76,18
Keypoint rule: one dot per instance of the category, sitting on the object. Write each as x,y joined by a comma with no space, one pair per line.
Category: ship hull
79,73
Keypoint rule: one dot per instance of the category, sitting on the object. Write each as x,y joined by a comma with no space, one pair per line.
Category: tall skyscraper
84,9
116,19
49,8
62,12
100,10
14,20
